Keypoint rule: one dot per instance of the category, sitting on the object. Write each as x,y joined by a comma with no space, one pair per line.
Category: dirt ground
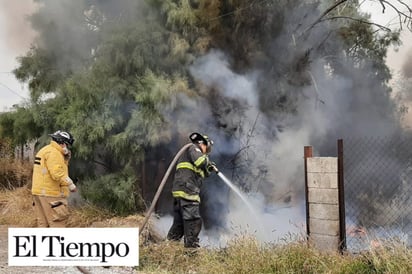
16,205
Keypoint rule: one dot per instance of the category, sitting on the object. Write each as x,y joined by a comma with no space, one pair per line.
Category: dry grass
87,215
242,255
246,255
16,208
14,173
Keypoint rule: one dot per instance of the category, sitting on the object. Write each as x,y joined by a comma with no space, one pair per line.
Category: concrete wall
323,199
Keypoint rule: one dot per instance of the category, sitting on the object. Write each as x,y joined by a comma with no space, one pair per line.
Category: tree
136,77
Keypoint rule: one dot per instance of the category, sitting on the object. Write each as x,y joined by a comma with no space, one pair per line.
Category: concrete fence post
322,202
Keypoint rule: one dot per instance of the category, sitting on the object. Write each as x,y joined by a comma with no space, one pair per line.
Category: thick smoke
270,161
260,117
72,28
268,146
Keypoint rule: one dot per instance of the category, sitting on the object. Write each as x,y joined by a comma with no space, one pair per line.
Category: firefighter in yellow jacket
51,184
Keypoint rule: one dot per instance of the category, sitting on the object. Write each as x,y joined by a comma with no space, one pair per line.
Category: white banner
73,246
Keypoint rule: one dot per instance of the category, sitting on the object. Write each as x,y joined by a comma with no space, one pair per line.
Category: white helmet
61,137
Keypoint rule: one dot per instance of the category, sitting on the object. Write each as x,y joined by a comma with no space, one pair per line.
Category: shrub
116,192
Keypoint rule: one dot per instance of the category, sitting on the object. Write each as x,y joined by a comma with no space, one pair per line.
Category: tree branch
357,20
325,13
407,17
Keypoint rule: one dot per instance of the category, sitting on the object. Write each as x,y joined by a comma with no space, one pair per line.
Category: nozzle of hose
211,166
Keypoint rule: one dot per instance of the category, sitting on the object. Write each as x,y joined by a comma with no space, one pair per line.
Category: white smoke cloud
270,220
331,106
213,69
266,223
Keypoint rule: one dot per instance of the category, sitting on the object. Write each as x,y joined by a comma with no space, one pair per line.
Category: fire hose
157,195
160,188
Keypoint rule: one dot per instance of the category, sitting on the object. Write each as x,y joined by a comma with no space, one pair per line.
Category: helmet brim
197,137
62,139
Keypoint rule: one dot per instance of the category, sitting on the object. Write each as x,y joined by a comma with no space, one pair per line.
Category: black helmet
62,137
198,138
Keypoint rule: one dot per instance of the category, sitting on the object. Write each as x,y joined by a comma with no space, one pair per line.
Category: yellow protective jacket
50,172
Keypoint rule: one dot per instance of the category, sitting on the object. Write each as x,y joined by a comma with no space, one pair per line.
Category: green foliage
92,111
156,97
19,125
364,44
115,75
38,70
117,192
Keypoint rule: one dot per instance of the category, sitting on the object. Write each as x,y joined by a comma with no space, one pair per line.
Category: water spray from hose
237,191
243,198
166,176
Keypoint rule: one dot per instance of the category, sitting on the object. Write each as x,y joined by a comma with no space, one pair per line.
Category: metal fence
378,191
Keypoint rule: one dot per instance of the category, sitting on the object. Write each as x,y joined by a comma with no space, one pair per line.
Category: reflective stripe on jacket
184,195
50,171
191,169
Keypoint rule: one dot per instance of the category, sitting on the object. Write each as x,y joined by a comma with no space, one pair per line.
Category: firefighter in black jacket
192,167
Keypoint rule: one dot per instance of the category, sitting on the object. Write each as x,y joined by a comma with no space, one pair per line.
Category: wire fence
378,191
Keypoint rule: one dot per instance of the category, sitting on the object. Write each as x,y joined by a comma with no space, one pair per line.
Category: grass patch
16,210
246,255
16,207
14,173
243,254
87,215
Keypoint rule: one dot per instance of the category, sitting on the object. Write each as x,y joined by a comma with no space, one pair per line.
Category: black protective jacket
191,169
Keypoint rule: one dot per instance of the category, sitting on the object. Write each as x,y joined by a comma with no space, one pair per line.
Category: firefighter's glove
212,167
72,188
71,185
